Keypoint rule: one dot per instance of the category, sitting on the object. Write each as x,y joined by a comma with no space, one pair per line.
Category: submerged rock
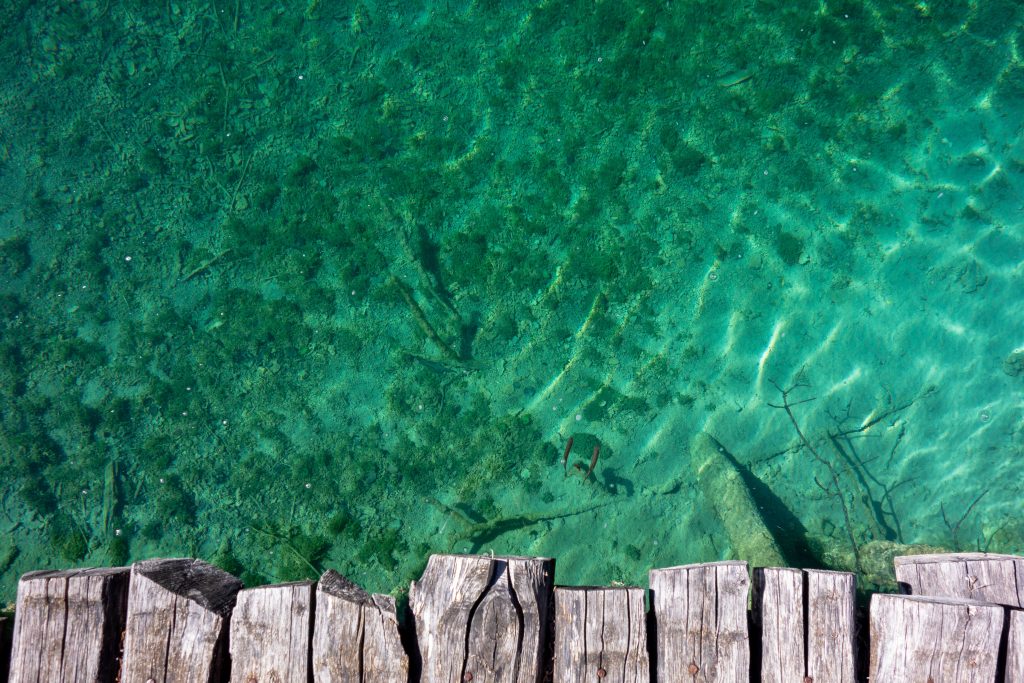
1013,365
876,559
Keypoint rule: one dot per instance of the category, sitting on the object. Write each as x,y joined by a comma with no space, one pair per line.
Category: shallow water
297,286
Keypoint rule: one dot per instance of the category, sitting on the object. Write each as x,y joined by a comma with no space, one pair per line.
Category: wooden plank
271,632
67,625
1015,648
806,622
356,639
482,618
778,604
831,626
972,576
916,638
700,617
5,648
178,612
601,632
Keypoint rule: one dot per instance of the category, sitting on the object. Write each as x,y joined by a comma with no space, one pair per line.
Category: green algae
597,207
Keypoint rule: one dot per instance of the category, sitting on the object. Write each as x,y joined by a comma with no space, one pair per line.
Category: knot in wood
693,668
468,676
808,679
601,673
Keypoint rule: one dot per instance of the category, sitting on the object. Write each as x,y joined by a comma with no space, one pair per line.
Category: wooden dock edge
6,634
495,618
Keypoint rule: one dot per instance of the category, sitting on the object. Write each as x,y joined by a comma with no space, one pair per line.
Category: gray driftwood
482,618
356,639
974,576
700,616
271,630
915,638
600,633
178,612
67,625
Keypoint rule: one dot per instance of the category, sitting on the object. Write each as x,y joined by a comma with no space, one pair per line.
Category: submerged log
356,637
68,625
177,625
700,617
600,632
483,618
723,487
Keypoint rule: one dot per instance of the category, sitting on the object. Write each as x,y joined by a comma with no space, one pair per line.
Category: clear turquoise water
307,285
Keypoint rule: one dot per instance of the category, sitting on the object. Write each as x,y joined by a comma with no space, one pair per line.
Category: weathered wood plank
483,618
700,617
67,625
4,648
920,639
1015,648
779,611
178,612
831,626
5,652
271,633
600,632
972,576
355,639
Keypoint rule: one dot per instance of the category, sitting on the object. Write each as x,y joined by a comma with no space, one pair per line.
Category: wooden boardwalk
483,618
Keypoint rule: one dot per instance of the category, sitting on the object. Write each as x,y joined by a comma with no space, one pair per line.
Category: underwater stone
1013,365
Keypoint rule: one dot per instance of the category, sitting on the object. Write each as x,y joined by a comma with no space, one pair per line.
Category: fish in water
593,461
565,457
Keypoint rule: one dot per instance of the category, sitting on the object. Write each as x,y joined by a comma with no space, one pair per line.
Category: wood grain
918,639
68,625
778,604
832,626
973,576
700,616
177,625
271,633
600,633
356,638
482,618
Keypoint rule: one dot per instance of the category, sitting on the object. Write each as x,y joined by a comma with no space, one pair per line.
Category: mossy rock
174,503
876,560
387,546
66,539
687,160
117,551
226,560
789,248
15,257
